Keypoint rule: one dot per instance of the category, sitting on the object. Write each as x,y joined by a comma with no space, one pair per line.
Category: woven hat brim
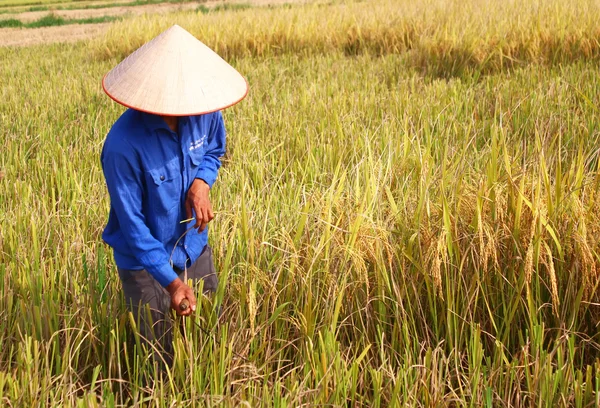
175,74
194,113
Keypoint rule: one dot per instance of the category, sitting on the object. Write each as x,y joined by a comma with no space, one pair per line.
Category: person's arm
124,181
198,194
215,149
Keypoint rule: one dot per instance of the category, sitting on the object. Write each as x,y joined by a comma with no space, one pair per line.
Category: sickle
184,304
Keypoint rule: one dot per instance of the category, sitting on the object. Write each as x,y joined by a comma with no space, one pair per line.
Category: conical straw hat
176,75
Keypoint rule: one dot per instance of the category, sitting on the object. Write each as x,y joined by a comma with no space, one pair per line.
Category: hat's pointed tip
177,31
177,27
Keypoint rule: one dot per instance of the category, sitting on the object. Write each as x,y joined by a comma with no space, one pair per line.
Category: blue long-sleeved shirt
148,170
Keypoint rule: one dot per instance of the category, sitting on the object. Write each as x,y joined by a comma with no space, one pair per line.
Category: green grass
76,6
10,22
15,3
223,7
54,20
402,220
86,5
128,4
51,6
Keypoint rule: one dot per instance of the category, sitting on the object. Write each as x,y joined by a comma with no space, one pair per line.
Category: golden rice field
408,213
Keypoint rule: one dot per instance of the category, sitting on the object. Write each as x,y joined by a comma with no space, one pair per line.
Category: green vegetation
49,7
10,22
223,7
201,8
15,3
96,6
54,20
408,213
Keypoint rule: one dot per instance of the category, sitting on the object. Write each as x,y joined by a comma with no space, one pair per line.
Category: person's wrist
174,286
202,183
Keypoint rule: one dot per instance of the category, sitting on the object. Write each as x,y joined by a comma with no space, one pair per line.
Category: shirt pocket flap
166,173
196,156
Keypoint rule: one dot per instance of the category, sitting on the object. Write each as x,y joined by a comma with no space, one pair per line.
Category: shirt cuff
166,275
208,176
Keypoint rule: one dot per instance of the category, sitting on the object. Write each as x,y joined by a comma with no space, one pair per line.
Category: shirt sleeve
209,167
124,181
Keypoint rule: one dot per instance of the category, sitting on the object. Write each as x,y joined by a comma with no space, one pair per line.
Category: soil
110,11
79,3
76,32
68,33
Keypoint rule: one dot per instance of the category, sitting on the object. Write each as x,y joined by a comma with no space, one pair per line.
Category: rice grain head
553,282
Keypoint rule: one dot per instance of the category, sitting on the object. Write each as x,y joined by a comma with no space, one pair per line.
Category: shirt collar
154,122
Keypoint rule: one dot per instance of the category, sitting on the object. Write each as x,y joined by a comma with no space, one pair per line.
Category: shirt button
162,178
185,247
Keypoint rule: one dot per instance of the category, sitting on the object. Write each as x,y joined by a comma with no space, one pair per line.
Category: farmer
160,160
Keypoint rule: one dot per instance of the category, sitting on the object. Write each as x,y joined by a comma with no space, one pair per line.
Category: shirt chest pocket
196,156
164,187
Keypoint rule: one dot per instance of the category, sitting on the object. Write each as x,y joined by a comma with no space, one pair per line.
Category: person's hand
198,200
180,291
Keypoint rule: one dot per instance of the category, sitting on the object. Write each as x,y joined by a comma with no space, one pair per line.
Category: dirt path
68,33
76,32
80,3
110,11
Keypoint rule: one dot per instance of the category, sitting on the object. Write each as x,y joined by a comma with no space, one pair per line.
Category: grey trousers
150,303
